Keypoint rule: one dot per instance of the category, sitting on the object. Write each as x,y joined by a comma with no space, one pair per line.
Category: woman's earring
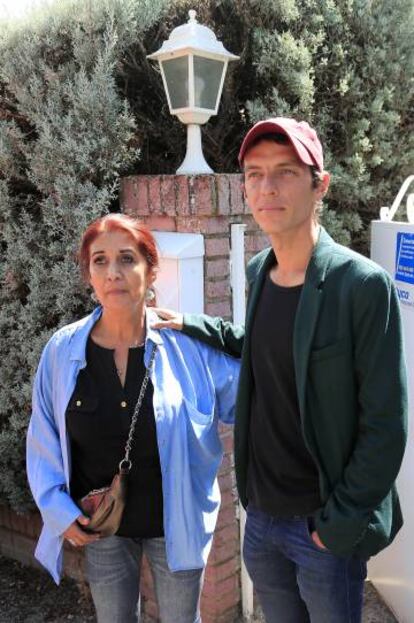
94,297
149,295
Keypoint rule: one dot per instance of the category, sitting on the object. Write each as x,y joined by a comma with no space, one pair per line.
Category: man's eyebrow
289,163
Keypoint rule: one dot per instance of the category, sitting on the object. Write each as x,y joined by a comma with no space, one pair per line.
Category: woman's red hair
142,236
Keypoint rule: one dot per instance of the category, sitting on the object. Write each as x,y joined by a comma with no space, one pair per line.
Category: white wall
180,280
392,571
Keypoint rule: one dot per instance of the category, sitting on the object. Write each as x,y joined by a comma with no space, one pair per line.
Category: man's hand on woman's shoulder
169,319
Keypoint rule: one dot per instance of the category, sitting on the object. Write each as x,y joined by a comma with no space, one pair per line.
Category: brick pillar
206,204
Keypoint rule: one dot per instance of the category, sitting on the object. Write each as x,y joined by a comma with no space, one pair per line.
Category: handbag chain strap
126,464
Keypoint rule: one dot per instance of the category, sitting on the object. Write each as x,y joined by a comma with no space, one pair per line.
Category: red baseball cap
303,138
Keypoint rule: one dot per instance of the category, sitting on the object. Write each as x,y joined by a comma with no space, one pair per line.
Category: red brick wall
18,538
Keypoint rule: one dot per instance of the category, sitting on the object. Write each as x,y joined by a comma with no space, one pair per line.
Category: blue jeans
113,567
295,580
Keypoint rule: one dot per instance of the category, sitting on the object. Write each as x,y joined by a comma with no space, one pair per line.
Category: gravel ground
375,611
28,595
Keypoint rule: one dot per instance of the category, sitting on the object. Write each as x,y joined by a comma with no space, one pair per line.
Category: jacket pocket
328,352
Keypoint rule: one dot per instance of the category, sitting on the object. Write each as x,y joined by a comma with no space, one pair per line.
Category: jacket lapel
305,323
308,311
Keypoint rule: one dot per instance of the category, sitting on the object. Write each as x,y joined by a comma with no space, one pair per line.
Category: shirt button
79,403
123,404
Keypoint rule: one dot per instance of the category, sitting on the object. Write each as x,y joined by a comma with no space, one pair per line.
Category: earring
93,297
149,295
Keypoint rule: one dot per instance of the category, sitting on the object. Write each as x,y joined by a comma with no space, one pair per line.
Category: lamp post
193,67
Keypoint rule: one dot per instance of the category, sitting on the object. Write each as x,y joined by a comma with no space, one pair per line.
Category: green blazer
351,385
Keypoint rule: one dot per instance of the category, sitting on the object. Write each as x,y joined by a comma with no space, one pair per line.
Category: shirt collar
152,334
84,327
80,335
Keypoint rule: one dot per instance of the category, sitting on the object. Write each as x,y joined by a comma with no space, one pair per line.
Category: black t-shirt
98,418
282,476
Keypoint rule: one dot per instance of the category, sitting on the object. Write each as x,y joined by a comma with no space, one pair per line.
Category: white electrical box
180,280
392,571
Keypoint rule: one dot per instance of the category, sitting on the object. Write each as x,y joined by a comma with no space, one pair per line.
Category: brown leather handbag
105,506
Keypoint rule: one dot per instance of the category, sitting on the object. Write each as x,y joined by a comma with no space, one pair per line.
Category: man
322,403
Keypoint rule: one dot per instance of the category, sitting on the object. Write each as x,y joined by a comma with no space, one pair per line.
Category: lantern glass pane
207,79
176,76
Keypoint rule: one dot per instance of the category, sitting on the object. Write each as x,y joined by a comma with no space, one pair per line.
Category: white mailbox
392,571
180,280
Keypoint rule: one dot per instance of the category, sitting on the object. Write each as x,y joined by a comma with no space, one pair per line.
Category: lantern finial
192,15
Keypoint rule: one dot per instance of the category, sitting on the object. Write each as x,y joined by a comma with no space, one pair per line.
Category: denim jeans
113,571
295,580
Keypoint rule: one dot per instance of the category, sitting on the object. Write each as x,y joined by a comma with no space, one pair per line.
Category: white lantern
193,67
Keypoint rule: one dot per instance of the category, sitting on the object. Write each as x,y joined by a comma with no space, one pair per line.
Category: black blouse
98,418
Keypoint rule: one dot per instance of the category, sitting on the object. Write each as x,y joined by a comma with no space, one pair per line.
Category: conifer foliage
80,106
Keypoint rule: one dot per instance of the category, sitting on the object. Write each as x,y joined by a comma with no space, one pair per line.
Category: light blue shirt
194,386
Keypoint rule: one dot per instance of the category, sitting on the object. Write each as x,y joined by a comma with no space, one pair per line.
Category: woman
85,391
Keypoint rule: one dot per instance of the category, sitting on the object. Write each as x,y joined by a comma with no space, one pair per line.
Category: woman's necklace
121,370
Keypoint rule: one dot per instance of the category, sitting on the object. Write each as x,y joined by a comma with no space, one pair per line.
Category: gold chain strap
125,465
